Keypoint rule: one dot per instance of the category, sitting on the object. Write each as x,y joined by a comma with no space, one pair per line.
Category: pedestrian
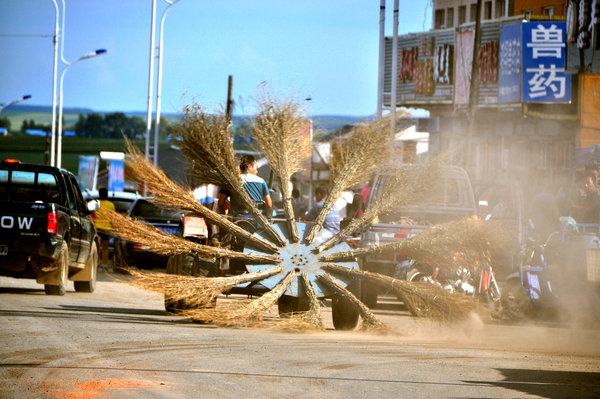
332,220
255,186
103,226
586,207
299,204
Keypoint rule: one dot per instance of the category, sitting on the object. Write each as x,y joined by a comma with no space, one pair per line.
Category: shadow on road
16,290
96,309
549,384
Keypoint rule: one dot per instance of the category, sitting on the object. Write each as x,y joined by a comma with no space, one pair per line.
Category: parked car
170,221
121,199
46,229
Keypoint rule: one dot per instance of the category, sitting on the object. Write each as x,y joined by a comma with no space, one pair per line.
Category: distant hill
322,124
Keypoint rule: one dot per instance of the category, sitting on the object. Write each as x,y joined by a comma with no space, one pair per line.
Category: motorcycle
469,273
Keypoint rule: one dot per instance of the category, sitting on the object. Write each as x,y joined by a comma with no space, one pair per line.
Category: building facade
527,121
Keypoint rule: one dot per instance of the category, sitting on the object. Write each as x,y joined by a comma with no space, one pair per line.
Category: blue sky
327,50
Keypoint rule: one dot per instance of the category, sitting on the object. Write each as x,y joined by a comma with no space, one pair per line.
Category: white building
451,13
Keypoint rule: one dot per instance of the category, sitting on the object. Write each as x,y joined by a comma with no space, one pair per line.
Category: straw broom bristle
242,315
193,291
370,322
169,194
168,244
423,299
406,185
360,155
206,142
276,128
438,243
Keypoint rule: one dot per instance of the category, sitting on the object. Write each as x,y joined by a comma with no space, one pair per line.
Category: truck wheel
369,295
92,264
63,265
344,314
289,305
515,301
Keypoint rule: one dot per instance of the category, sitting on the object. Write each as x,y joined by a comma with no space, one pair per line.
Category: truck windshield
28,186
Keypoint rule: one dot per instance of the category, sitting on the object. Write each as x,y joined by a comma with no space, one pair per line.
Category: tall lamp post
60,101
18,100
154,155
159,79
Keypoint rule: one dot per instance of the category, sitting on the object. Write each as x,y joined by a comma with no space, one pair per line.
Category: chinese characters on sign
544,78
509,80
443,61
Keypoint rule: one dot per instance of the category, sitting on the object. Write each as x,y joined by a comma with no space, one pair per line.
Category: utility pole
381,59
474,87
229,107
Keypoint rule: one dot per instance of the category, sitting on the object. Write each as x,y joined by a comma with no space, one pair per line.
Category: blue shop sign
544,77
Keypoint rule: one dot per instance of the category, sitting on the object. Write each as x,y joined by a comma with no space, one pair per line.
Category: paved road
119,343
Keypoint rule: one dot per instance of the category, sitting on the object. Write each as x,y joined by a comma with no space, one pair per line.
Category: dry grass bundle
358,158
193,291
423,299
313,316
206,142
169,194
472,237
405,185
276,128
247,314
370,322
439,243
168,244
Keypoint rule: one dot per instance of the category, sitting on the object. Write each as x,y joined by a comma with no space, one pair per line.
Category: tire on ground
368,294
92,263
63,268
344,314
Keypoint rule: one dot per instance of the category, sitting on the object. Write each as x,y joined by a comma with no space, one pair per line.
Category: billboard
462,71
116,175
87,175
543,54
509,79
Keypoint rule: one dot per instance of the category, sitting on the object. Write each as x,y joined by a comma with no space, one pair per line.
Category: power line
7,35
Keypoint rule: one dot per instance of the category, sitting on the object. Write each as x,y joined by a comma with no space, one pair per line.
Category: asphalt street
118,342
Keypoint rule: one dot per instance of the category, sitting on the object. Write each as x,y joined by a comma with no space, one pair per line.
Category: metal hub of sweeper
301,258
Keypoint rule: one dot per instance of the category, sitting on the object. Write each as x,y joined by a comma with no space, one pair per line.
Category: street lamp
60,101
159,80
159,84
18,100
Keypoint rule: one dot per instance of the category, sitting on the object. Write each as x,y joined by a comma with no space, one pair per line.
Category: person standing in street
103,226
332,220
255,186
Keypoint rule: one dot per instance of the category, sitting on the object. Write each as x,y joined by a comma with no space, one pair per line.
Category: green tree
5,122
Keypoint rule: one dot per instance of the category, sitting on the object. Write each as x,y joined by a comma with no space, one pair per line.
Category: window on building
473,14
548,10
499,9
439,19
528,13
449,17
487,10
462,14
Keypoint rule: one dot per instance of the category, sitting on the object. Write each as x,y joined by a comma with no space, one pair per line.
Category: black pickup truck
46,229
